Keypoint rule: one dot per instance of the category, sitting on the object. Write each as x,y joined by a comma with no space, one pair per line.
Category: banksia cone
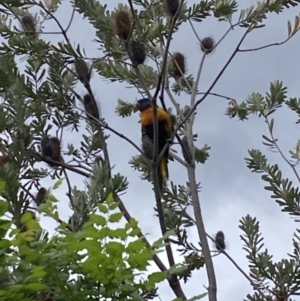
40,197
51,148
178,65
220,241
122,24
90,107
29,25
4,159
186,152
137,52
207,45
170,7
83,71
147,146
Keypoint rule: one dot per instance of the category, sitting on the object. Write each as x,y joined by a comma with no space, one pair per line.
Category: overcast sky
229,190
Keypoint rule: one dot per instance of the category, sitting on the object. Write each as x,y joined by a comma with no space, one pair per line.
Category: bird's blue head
143,104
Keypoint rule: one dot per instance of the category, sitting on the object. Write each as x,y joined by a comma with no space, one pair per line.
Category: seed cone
137,52
122,24
207,45
220,241
4,159
178,65
147,146
170,7
51,148
83,71
186,151
40,197
90,107
29,25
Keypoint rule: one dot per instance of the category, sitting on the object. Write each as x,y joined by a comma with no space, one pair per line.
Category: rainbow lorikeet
165,129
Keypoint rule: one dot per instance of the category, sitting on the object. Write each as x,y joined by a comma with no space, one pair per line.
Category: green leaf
103,208
124,109
3,207
115,217
135,246
202,154
2,186
58,184
36,287
98,219
157,277
37,273
115,248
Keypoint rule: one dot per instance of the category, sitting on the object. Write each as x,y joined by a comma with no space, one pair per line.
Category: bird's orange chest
147,116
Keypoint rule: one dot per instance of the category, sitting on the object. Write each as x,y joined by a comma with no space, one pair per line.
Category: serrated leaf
103,208
115,217
157,277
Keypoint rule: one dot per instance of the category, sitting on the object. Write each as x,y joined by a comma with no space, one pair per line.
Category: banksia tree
59,243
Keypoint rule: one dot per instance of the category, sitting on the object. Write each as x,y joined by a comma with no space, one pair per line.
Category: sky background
229,190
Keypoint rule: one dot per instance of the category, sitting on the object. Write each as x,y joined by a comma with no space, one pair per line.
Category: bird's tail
163,173
163,168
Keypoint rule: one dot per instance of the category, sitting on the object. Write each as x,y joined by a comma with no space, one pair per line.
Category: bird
165,129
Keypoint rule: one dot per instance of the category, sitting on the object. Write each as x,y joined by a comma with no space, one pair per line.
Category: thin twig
195,88
69,194
107,127
280,151
178,159
269,45
71,19
216,94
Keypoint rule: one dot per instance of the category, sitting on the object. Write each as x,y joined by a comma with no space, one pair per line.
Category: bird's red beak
137,106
